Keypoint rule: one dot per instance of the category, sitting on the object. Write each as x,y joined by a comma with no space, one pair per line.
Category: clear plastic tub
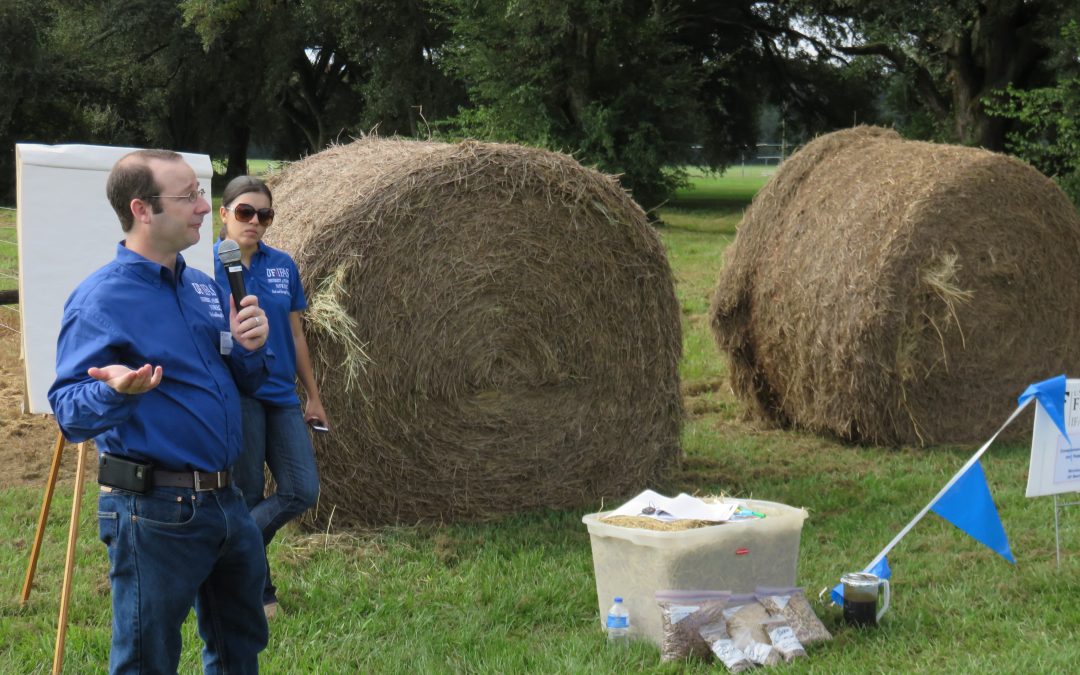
737,556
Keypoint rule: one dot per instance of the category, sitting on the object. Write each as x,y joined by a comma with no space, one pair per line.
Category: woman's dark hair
241,185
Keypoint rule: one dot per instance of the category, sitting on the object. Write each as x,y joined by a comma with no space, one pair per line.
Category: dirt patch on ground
26,441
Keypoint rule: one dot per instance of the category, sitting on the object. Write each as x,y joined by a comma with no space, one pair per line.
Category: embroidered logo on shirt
208,294
278,280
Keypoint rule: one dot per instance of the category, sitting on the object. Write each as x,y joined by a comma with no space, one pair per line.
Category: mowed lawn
9,250
519,595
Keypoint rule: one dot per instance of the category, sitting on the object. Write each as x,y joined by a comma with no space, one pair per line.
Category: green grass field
256,167
722,192
9,250
519,596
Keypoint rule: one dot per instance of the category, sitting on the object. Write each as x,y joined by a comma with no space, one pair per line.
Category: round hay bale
893,292
494,329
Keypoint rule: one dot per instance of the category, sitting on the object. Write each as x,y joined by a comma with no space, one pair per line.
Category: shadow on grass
719,221
734,202
716,210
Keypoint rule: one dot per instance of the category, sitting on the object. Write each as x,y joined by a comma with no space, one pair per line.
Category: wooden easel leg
54,471
69,564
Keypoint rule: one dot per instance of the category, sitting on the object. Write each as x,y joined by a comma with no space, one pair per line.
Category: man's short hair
131,178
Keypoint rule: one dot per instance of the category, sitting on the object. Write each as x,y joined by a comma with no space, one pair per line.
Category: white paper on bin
682,507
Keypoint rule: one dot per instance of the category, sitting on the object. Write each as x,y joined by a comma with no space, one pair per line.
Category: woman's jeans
279,437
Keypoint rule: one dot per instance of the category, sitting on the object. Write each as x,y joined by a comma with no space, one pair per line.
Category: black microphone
228,253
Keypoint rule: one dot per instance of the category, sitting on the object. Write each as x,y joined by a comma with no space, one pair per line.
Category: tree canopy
638,88
632,86
949,55
1049,132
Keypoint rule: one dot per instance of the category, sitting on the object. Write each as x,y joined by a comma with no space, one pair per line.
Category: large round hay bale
494,329
893,292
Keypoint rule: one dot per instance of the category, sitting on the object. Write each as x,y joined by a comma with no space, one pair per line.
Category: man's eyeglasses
192,196
245,212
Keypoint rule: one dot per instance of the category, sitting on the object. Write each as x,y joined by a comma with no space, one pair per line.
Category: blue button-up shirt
275,279
135,311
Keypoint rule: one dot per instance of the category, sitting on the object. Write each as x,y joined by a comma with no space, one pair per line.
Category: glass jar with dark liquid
861,598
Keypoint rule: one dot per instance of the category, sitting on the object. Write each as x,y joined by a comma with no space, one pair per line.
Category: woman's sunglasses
245,212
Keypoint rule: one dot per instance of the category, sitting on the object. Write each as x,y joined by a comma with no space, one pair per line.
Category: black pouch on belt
124,474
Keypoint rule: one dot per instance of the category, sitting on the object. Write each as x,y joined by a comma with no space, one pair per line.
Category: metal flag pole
952,481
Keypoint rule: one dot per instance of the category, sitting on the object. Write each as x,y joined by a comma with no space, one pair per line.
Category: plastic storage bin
737,556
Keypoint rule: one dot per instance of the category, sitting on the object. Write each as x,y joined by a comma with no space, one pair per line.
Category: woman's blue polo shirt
274,278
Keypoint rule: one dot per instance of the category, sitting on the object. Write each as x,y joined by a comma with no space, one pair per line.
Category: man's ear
141,210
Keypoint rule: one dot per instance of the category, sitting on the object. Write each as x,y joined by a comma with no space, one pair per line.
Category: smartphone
318,425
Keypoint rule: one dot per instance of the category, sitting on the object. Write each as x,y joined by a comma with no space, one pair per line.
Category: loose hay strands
892,292
494,329
327,314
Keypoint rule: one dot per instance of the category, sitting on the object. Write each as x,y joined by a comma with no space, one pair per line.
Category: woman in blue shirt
275,430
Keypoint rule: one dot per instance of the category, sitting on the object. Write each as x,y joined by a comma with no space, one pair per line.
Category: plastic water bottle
618,624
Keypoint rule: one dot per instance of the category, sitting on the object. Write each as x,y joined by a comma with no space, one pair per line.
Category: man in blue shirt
148,363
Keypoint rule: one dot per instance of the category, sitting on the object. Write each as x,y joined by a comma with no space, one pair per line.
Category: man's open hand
128,381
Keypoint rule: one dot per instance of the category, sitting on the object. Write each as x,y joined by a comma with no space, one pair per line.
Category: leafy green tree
322,70
151,72
250,53
631,86
38,81
814,90
950,55
399,45
112,72
1049,137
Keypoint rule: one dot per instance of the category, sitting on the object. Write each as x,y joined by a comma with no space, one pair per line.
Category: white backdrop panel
67,229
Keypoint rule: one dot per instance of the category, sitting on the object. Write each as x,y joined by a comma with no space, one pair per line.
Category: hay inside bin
646,523
494,329
891,291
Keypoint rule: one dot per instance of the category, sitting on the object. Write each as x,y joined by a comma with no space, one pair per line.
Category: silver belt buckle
198,483
219,481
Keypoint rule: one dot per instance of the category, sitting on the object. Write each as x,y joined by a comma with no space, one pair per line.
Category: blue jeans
174,547
279,437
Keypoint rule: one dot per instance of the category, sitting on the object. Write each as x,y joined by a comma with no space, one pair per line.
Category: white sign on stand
66,230
1055,461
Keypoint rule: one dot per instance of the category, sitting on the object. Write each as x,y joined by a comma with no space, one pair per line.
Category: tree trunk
239,136
579,77
996,49
996,45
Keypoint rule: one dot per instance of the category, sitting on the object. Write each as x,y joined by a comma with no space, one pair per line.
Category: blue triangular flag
969,506
1051,395
838,594
881,570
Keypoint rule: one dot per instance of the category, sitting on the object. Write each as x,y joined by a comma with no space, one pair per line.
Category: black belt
200,481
